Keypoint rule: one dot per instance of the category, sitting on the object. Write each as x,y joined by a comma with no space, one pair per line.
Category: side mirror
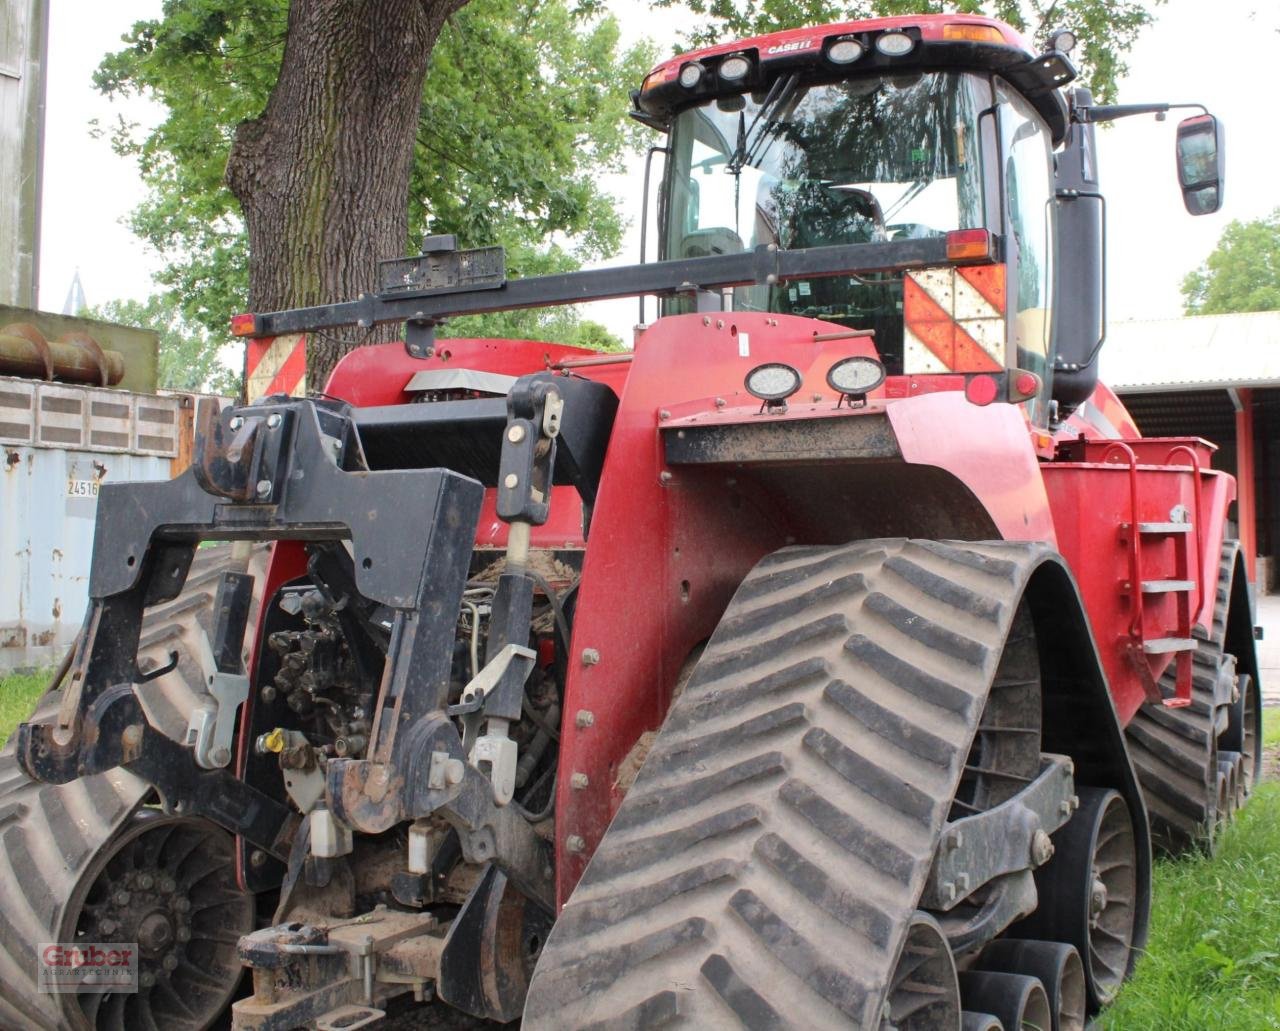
1200,163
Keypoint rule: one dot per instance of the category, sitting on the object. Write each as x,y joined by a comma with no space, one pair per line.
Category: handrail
1135,544
1199,527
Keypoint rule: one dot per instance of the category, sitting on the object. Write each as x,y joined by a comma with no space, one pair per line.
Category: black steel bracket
410,532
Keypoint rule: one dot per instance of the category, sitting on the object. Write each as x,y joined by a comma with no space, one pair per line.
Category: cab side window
1026,157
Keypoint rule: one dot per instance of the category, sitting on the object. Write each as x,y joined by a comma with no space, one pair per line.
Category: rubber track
50,833
1174,751
765,866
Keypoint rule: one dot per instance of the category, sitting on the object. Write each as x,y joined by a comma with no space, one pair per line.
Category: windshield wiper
749,140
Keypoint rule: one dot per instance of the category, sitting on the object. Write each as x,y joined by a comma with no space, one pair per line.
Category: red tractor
833,659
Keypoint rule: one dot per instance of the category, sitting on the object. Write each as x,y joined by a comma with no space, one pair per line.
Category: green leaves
523,109
1107,29
188,357
1242,273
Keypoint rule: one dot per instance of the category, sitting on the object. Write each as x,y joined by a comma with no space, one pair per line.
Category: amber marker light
243,325
965,244
973,33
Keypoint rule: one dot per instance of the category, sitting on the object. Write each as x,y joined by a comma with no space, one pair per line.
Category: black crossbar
766,264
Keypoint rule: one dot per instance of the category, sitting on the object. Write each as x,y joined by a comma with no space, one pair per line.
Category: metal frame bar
766,265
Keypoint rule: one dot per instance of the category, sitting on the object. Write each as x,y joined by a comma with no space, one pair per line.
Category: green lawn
18,694
1213,960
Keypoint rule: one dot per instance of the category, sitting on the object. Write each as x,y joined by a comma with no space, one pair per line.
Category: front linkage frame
293,470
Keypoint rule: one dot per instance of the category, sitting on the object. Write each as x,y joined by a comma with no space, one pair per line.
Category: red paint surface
793,41
1090,500
1247,508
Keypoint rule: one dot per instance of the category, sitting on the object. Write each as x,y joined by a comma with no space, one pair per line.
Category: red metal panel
666,555
988,449
377,375
1246,509
1093,511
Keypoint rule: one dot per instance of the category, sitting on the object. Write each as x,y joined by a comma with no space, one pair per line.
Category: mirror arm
1109,112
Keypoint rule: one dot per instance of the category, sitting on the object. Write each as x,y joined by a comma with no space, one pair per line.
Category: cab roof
940,41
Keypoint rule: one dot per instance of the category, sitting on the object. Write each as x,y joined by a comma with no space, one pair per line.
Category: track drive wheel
1089,892
55,840
167,883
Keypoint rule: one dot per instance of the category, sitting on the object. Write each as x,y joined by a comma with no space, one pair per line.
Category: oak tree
301,143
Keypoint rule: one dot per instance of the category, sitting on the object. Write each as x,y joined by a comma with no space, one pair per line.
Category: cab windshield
864,160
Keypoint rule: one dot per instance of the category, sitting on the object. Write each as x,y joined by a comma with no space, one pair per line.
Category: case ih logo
787,48
88,967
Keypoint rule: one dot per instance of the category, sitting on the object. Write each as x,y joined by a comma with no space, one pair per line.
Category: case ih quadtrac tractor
833,659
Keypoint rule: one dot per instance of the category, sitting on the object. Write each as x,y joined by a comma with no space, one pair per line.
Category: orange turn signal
973,33
243,325
968,244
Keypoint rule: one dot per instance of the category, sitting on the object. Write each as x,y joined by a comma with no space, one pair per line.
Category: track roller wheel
1055,964
1088,892
167,883
979,1022
1019,1002
924,994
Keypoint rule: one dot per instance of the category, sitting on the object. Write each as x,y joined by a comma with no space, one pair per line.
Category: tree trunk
322,176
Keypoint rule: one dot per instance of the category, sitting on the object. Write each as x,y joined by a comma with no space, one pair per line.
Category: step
1164,528
1164,645
1167,586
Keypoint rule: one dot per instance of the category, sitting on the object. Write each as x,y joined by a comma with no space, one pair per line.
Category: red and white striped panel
954,319
276,365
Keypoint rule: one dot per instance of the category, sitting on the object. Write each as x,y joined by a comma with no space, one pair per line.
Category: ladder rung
1164,528
1164,645
1167,586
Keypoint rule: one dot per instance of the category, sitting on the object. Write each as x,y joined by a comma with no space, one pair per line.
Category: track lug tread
823,654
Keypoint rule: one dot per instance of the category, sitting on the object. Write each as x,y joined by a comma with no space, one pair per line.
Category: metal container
58,444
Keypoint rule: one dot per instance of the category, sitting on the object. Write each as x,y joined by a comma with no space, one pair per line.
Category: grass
1213,959
18,694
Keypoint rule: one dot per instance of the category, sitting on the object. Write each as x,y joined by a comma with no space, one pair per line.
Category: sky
1186,56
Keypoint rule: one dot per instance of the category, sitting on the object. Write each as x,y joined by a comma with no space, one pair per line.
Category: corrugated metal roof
1195,351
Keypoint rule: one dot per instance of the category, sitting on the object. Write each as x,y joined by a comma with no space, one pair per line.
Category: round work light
773,381
844,51
691,74
895,44
856,376
735,67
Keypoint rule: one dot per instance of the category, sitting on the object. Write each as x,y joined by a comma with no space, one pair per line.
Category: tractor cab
880,132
